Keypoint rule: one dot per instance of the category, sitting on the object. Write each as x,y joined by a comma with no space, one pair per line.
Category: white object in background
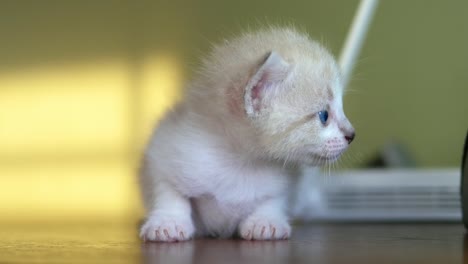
355,38
309,193
381,195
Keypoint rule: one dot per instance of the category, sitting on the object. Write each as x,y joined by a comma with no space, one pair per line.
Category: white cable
355,38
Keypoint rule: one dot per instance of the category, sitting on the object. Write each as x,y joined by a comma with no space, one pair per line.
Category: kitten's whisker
285,160
341,161
334,165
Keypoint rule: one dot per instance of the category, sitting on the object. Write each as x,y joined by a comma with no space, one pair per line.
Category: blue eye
323,115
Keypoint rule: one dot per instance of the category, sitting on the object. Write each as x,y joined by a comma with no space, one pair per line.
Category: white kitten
222,160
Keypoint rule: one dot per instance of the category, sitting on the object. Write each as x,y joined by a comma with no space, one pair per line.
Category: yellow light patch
66,135
66,109
69,190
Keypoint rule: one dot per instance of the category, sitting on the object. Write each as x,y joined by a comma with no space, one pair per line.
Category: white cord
355,38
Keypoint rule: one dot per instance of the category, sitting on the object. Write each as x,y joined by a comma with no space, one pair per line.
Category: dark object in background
392,155
464,183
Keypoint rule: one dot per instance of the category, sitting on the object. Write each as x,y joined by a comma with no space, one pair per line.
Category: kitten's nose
350,137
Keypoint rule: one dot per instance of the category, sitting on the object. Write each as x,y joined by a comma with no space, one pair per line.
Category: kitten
221,162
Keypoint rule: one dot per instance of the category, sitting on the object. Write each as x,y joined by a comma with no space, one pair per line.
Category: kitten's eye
323,115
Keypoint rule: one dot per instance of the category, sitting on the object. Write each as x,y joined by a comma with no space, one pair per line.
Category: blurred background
83,83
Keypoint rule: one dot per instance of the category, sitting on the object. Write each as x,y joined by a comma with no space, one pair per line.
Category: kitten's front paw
167,229
257,228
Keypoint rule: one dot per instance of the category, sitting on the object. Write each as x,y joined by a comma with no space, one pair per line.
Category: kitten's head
294,101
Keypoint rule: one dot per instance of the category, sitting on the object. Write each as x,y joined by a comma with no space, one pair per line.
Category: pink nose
350,137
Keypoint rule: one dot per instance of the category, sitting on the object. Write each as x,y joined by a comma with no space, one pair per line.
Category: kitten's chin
319,160
312,159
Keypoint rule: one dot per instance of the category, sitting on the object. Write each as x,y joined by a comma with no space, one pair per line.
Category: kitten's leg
170,219
267,222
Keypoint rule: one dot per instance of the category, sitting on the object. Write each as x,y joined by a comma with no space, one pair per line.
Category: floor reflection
107,242
217,251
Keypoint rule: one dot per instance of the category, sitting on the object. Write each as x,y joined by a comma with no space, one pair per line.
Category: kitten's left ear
265,82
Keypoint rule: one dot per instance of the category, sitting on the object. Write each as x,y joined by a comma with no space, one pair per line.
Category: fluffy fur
221,162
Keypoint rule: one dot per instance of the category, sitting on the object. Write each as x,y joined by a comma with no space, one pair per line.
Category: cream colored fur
221,163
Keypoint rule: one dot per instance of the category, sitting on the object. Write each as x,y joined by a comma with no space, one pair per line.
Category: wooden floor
314,243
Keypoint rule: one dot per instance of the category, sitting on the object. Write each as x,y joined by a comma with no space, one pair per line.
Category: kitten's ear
265,82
